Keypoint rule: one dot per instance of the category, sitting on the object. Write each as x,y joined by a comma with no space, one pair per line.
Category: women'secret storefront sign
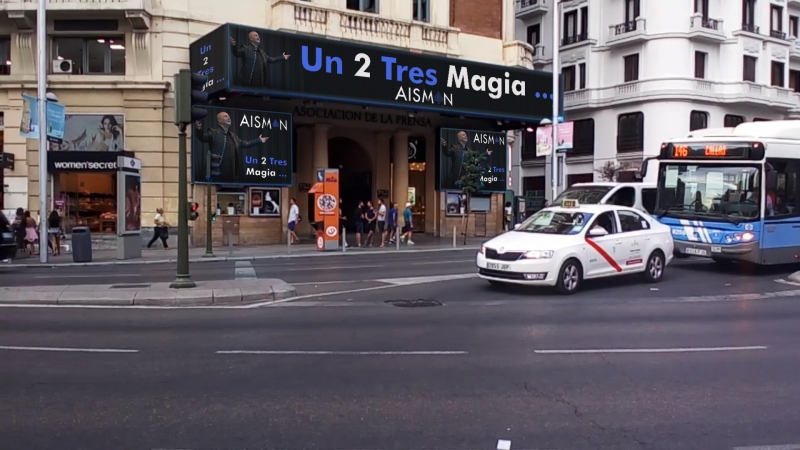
244,147
265,62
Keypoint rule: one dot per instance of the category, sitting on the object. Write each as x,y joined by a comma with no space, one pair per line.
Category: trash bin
81,245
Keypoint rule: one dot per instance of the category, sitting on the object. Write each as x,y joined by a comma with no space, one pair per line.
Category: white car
564,245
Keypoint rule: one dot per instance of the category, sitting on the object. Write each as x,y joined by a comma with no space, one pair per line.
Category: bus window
625,196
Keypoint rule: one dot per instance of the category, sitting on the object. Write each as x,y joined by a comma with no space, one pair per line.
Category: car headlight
538,254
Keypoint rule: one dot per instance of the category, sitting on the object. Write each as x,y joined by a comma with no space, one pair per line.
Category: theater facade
390,120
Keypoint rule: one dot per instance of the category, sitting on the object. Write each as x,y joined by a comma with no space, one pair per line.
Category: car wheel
654,270
569,277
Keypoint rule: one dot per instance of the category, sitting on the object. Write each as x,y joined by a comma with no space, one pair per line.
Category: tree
611,169
473,170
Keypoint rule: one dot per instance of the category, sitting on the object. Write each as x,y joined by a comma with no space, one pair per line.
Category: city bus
731,194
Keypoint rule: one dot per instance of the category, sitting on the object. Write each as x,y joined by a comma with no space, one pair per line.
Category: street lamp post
41,82
554,159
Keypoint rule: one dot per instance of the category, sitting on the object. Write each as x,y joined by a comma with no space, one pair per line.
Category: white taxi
562,246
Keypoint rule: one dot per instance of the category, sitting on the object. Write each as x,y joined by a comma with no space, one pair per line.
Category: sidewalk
246,253
232,292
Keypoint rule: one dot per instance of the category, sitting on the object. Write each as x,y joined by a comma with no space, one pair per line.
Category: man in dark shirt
456,153
225,145
253,71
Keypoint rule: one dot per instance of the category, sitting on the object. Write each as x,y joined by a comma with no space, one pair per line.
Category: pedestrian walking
160,230
382,215
294,219
359,218
408,227
370,217
55,231
392,223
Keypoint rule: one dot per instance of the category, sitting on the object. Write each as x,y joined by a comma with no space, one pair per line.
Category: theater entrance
355,175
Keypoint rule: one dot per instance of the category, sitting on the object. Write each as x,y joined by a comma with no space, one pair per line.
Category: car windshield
703,191
548,221
585,195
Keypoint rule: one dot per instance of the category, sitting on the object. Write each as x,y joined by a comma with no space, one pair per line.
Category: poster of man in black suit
456,144
253,71
226,145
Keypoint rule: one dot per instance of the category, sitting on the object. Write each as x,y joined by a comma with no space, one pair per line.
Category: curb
230,258
265,290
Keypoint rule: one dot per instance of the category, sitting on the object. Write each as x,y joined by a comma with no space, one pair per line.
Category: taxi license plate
716,249
495,266
696,251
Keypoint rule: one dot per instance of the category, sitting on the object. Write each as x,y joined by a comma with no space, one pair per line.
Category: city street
617,366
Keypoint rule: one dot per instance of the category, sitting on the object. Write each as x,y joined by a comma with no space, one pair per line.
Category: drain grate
418,303
129,286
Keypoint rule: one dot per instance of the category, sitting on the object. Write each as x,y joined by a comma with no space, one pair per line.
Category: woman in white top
106,137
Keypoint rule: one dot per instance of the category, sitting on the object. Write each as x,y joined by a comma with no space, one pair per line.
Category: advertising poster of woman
133,203
92,132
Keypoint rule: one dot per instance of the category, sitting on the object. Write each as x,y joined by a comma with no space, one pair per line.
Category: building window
569,78
5,55
529,146
583,138
422,11
631,10
630,133
732,121
777,74
749,16
749,69
701,6
582,76
534,34
231,201
92,55
585,21
775,18
794,24
632,68
370,6
794,80
700,65
570,25
698,120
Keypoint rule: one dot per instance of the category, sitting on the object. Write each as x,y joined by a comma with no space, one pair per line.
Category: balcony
23,12
631,32
749,28
518,54
539,59
742,93
576,40
303,17
530,9
794,51
705,29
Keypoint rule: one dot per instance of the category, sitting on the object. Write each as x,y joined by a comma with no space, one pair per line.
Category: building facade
111,64
639,72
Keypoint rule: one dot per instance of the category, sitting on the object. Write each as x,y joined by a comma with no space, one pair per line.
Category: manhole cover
418,303
129,286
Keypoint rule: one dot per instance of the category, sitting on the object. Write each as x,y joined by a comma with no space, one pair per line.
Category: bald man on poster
225,144
253,70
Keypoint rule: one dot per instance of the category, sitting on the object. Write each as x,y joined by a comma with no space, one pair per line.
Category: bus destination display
712,151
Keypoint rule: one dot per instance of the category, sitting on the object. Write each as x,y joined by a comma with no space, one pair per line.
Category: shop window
5,55
264,202
88,200
749,65
370,6
732,121
583,139
630,132
422,10
231,201
698,120
103,55
480,203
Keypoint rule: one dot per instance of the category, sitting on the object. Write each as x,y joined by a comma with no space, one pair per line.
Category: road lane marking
64,349
649,350
326,352
422,280
107,275
243,270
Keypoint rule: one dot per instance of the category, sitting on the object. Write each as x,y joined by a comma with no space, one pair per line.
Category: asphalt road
177,392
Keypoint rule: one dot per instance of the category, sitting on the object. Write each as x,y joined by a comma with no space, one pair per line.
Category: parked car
8,245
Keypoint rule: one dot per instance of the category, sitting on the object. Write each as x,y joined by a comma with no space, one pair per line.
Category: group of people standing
26,232
382,221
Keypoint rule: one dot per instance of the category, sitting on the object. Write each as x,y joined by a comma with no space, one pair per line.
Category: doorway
355,175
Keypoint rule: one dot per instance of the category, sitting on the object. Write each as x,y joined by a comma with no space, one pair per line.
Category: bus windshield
709,192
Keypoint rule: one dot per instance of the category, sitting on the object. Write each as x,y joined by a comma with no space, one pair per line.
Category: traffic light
193,207
215,168
189,92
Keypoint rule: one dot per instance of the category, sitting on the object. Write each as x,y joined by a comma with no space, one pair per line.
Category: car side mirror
598,232
517,225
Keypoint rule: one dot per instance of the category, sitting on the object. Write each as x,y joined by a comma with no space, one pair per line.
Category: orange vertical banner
326,206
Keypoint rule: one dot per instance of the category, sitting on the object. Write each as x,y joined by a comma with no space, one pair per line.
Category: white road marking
649,350
423,280
243,270
737,297
503,444
770,447
75,275
63,349
783,281
325,352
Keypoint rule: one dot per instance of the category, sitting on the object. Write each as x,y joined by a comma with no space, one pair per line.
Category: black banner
251,148
293,65
454,142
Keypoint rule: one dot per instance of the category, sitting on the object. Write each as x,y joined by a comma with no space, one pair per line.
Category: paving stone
29,297
156,298
194,297
227,296
252,294
107,297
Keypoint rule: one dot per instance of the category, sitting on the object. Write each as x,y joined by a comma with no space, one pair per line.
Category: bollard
344,240
397,236
230,243
289,242
454,237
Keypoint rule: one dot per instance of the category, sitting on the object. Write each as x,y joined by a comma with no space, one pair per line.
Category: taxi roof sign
570,203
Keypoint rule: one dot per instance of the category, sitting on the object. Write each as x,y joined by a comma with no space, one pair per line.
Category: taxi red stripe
605,255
